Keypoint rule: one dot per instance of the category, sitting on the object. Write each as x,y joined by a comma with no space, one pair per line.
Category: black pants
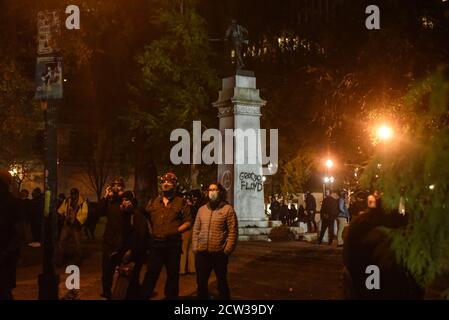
328,224
206,262
310,221
167,255
108,269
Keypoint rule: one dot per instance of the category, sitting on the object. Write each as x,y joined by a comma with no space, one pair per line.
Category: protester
311,210
274,208
292,214
11,236
74,210
118,221
283,212
168,217
368,244
329,212
215,234
92,221
343,217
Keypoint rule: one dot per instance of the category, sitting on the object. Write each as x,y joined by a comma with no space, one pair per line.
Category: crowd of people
195,233
335,209
190,233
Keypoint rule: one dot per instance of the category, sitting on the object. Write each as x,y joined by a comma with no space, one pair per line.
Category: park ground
287,270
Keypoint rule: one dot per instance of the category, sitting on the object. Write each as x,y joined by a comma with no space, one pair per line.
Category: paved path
257,270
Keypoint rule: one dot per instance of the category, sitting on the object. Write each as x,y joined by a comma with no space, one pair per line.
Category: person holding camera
118,211
74,211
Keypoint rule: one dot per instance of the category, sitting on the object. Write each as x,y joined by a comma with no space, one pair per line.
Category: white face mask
213,195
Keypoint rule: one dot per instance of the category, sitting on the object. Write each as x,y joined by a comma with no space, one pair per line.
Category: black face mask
169,193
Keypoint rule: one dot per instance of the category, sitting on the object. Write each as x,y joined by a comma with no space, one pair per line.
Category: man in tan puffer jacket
214,238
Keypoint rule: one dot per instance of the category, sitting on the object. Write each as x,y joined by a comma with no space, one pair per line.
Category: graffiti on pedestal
250,181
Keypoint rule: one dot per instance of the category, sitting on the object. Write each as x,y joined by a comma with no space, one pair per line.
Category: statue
237,34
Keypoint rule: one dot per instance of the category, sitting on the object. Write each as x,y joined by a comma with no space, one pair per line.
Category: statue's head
233,21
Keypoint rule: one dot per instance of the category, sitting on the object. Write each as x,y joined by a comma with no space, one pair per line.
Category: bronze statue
238,35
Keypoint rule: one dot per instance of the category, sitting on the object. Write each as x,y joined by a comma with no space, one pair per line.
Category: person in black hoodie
366,244
11,236
118,225
329,212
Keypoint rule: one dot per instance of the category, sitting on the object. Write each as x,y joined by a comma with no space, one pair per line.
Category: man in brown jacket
168,217
214,238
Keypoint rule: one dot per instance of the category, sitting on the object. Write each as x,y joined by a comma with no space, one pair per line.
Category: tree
176,81
20,117
415,168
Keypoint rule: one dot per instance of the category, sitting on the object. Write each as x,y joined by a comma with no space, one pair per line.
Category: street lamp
329,163
384,133
328,180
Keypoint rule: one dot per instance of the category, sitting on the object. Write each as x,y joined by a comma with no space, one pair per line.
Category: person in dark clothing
134,243
92,221
283,212
36,216
366,243
11,236
302,216
329,212
118,224
292,214
311,210
168,217
274,208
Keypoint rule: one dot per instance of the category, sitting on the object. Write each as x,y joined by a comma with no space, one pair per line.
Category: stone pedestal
239,109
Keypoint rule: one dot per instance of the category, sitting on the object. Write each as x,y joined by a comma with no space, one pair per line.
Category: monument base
256,230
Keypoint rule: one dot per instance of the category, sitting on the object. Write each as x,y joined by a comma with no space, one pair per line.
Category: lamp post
328,179
48,279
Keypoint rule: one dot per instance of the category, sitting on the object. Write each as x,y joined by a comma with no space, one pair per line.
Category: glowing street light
329,163
329,179
384,132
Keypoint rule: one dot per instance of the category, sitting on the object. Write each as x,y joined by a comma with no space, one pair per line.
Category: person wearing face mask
111,206
168,216
215,234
